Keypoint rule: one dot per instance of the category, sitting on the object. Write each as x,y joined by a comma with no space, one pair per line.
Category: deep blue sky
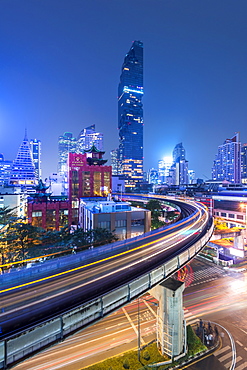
61,61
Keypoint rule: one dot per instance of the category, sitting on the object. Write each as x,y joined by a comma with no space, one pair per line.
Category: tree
57,237
7,215
155,207
21,236
98,236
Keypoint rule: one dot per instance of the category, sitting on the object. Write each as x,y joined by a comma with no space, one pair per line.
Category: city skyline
61,63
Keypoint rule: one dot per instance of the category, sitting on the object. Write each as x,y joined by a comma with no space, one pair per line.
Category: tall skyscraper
130,115
35,146
88,137
23,170
180,165
227,163
244,163
164,166
66,144
115,161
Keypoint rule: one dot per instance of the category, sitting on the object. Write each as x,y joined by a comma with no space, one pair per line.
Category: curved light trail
58,290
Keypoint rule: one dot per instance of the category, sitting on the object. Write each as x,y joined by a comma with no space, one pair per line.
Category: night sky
60,63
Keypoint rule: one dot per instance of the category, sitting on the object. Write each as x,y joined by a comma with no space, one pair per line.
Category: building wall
87,181
124,224
50,215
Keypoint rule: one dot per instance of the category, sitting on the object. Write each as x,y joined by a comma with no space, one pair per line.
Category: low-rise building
117,216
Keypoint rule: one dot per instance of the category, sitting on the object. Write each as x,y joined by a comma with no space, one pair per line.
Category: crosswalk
224,355
207,274
190,318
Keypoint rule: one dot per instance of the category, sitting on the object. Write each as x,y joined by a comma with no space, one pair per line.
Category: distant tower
115,161
227,163
178,152
130,115
5,170
36,153
66,144
23,170
88,137
164,166
180,165
153,176
244,163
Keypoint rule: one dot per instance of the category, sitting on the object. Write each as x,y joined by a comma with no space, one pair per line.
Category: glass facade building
23,170
66,144
130,116
87,137
5,170
35,146
244,163
227,163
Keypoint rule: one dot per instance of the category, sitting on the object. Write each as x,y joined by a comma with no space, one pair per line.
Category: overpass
46,309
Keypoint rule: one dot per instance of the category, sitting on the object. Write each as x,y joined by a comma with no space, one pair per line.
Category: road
110,336
220,296
214,294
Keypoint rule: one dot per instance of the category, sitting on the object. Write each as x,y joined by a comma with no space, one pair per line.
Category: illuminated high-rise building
23,170
5,170
164,166
244,163
35,146
66,144
88,137
227,163
115,161
180,165
130,116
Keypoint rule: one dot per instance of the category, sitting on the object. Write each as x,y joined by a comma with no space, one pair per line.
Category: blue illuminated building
227,163
23,170
5,170
130,116
36,153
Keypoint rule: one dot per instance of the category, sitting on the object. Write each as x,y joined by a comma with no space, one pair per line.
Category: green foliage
194,343
21,236
55,237
126,364
131,358
146,355
155,224
149,355
7,215
20,240
154,206
96,237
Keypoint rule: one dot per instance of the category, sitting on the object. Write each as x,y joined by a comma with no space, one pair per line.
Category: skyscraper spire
23,171
25,137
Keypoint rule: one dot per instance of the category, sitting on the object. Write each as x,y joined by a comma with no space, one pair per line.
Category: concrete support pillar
170,319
